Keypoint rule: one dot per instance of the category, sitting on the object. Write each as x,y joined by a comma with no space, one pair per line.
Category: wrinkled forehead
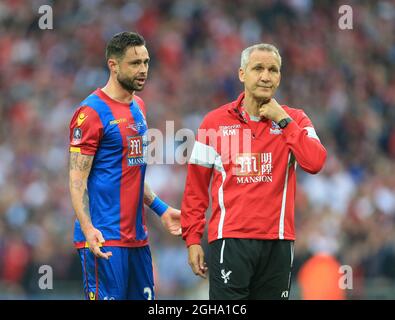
136,52
264,57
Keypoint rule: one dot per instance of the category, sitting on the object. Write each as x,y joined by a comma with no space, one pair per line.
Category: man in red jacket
249,148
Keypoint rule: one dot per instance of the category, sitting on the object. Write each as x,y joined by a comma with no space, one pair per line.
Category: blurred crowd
343,79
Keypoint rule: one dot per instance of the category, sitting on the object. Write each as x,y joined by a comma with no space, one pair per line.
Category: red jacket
252,166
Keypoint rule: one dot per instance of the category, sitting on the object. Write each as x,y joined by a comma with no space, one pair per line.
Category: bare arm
149,195
79,169
170,218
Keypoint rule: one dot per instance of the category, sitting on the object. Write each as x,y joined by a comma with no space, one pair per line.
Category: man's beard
128,84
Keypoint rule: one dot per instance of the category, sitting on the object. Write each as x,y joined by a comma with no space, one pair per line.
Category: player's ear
241,75
112,65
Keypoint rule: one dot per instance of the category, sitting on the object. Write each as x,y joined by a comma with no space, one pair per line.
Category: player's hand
95,240
272,111
196,260
171,219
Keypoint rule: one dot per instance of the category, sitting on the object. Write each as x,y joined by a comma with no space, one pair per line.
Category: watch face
283,123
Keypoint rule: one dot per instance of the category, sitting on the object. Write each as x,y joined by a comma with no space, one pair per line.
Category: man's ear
241,75
113,65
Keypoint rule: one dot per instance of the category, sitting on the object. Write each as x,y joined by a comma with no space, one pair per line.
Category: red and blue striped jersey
115,134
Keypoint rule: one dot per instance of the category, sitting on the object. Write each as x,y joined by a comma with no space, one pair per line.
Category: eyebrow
139,60
262,65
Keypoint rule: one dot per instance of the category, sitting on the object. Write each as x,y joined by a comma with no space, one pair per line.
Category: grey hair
245,55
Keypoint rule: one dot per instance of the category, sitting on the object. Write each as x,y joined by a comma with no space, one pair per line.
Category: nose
265,75
143,69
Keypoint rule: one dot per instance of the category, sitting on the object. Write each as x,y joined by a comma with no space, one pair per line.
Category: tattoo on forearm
85,202
80,166
73,161
80,162
86,163
77,184
149,195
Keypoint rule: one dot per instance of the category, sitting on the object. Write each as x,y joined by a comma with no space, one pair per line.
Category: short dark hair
118,44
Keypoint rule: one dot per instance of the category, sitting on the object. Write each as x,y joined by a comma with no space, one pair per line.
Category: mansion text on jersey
254,179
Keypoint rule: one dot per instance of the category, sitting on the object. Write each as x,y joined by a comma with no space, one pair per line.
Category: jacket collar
235,108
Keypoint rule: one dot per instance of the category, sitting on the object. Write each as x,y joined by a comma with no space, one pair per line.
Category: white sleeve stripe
202,164
203,155
311,133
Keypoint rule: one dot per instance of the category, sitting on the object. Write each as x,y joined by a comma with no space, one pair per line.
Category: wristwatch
284,122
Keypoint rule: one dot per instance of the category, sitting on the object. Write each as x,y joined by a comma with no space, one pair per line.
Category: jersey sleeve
196,194
304,122
301,138
86,131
